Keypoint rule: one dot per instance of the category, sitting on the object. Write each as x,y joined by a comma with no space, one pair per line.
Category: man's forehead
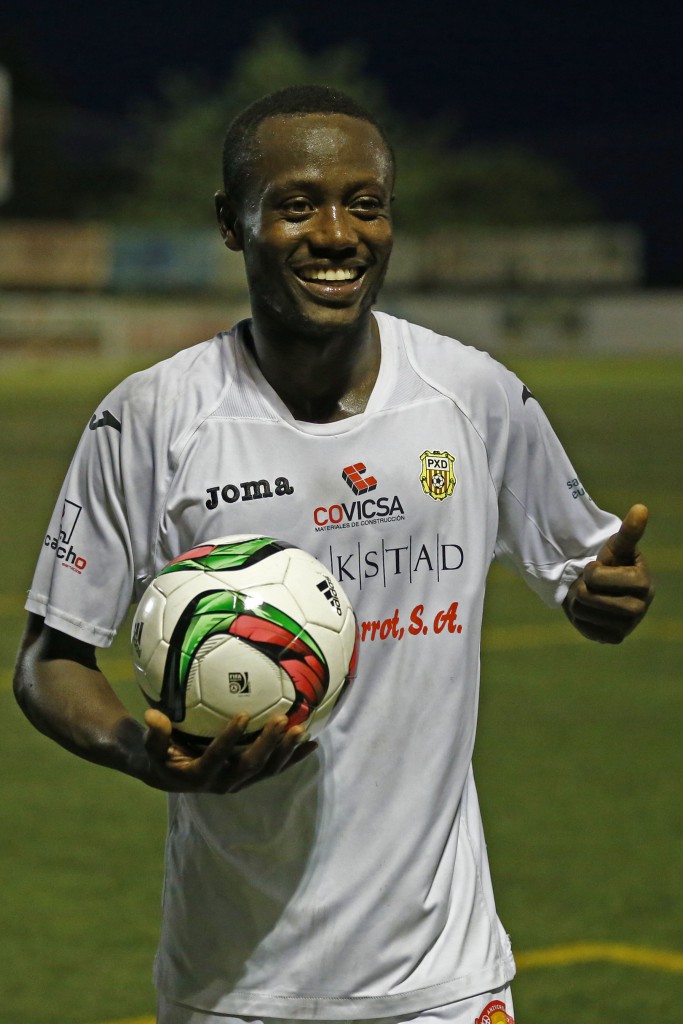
283,140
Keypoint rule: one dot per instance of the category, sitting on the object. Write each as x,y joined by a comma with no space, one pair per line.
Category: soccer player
354,884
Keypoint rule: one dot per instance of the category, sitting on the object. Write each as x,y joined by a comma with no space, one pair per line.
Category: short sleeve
85,577
549,527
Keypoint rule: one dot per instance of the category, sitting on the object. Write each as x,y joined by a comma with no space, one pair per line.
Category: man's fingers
613,593
601,634
223,751
619,605
277,748
256,758
620,549
226,765
288,749
618,579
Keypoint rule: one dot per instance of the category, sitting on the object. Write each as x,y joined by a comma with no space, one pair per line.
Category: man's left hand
613,593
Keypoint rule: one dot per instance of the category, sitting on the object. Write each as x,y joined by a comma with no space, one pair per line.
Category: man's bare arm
64,694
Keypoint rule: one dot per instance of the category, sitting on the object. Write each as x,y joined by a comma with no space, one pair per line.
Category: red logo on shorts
495,1013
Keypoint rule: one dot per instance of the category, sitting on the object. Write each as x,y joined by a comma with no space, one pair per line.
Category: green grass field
578,757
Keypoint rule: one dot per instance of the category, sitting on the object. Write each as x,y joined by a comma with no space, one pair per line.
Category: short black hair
238,147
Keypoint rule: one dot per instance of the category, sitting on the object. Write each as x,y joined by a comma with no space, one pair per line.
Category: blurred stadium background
578,757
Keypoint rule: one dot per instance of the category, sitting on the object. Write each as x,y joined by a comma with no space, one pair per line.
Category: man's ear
228,221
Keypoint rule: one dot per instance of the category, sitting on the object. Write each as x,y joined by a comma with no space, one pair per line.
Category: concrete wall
618,322
126,260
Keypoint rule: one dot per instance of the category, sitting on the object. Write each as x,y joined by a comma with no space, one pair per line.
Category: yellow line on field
526,637
494,638
555,634
135,1020
595,952
562,956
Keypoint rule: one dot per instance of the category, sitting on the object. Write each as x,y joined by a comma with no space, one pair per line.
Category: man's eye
297,207
368,206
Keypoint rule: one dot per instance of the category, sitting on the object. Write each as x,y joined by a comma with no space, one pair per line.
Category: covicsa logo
360,510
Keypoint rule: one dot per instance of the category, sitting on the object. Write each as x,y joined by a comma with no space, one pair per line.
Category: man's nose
333,229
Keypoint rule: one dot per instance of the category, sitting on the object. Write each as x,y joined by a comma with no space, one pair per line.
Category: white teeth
342,274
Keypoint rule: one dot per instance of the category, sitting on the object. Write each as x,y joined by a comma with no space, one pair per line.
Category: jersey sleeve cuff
69,624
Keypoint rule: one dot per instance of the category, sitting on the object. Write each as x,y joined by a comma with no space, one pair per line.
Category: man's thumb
620,549
158,736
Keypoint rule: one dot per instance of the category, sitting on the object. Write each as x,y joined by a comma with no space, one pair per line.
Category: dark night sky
598,84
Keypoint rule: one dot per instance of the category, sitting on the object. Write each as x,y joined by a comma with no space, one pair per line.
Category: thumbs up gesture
612,594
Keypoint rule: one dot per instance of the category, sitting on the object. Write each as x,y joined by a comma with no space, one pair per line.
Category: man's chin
318,321
338,317
335,323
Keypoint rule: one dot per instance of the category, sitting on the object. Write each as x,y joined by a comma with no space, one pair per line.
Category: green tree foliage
175,162
174,166
510,186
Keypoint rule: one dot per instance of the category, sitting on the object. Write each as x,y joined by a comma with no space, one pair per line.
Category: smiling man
308,201
353,885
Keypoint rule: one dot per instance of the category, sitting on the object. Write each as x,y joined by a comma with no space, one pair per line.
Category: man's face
315,223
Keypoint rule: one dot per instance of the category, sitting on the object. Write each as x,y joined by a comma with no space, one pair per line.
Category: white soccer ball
244,624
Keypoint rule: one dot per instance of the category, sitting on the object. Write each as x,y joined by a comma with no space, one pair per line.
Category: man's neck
320,379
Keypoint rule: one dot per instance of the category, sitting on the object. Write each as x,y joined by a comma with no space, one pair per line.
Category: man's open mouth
330,275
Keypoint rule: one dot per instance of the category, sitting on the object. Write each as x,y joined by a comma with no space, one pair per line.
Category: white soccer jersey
355,884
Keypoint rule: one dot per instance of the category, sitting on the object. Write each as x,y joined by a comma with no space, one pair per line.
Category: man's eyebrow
294,184
315,182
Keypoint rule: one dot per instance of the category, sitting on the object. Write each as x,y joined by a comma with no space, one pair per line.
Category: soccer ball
243,624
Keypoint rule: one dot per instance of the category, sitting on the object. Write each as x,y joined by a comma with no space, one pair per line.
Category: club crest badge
437,478
495,1013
